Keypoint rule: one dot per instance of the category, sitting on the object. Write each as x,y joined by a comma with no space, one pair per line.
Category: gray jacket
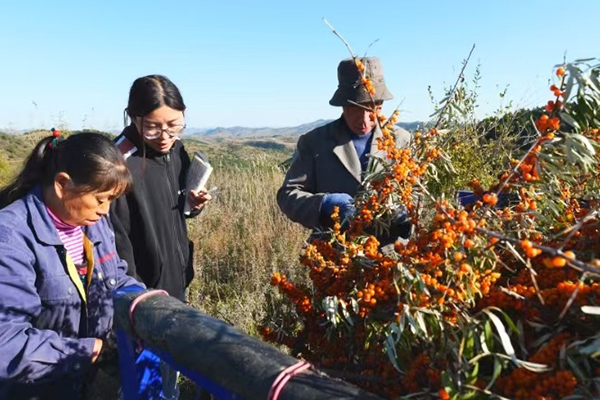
325,161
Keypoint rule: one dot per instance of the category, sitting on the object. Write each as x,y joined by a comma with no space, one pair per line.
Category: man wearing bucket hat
329,162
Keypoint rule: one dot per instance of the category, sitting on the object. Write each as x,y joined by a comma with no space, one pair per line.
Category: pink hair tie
284,377
134,304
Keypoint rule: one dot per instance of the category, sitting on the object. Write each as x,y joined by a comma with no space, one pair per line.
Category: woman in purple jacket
58,267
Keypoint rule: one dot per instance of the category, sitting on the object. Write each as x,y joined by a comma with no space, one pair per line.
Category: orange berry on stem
526,244
533,252
532,205
491,199
558,262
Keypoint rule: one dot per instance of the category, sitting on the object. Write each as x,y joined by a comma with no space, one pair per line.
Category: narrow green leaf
504,338
508,320
570,120
495,374
579,374
390,350
592,349
473,374
533,367
489,337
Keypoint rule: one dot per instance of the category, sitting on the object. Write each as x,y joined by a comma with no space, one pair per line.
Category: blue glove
342,200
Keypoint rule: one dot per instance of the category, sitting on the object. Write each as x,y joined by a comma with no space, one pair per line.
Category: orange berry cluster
420,374
545,123
297,296
559,296
522,384
490,199
404,172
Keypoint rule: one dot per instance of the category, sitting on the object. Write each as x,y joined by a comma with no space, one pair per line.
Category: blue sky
261,63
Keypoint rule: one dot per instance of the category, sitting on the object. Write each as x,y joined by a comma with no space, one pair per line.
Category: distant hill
242,131
246,132
411,126
237,131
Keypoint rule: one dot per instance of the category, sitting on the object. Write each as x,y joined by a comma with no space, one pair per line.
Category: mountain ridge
248,132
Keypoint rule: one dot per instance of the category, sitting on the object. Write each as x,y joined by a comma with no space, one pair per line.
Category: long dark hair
151,92
90,159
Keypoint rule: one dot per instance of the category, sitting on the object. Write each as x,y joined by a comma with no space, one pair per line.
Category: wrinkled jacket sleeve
31,355
121,224
297,197
123,277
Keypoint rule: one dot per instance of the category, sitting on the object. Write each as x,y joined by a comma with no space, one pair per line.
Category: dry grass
240,239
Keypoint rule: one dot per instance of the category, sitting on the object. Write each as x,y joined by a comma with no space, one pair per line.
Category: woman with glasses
149,222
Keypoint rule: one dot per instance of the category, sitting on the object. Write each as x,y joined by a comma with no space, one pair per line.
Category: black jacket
149,223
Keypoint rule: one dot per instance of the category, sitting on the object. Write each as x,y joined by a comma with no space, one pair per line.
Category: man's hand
198,199
344,201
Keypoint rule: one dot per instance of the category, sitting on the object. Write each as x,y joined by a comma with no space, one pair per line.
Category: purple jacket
47,330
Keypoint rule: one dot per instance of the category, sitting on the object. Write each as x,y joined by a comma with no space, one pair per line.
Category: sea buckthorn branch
336,33
544,125
569,256
454,88
364,80
360,106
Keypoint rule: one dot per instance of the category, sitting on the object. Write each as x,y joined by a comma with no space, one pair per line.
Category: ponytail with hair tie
54,142
90,159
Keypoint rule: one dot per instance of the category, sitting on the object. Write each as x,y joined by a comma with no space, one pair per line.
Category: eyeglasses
156,132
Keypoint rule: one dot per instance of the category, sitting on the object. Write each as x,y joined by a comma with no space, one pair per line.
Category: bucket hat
350,87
